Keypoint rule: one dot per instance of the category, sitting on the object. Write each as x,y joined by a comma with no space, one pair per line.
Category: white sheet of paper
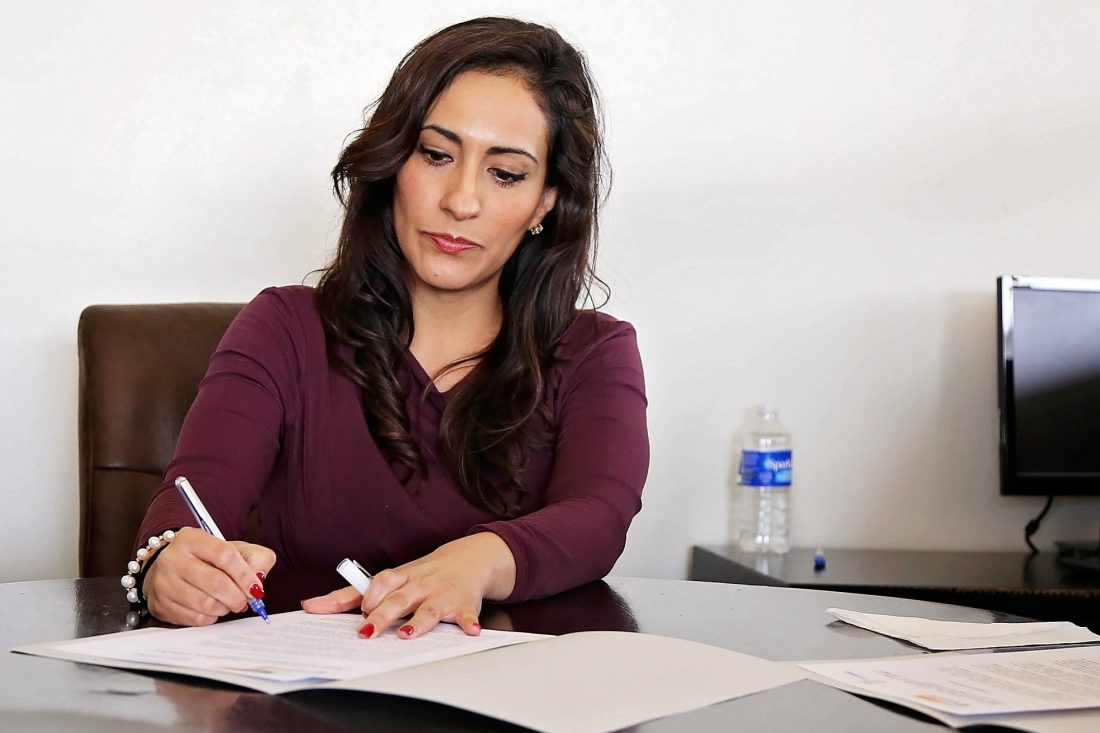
296,646
590,682
958,635
977,684
1063,721
587,682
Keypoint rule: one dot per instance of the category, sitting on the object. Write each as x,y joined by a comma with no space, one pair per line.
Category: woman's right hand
199,578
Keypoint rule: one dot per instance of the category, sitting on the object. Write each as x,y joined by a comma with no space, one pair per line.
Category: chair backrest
140,368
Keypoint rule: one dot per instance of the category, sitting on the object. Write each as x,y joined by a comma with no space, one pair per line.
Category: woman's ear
546,203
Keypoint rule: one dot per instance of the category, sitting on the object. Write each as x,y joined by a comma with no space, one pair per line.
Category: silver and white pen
354,573
207,524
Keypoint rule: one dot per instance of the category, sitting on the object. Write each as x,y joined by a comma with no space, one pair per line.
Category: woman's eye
434,157
506,178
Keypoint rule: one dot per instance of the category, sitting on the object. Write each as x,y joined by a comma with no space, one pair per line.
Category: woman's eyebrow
494,150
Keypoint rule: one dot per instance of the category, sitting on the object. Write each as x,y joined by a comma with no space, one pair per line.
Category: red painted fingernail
407,630
256,591
367,630
261,576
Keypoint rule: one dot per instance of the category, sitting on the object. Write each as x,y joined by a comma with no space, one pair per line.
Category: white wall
811,203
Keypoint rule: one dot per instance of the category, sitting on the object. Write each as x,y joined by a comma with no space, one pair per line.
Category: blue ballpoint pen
206,523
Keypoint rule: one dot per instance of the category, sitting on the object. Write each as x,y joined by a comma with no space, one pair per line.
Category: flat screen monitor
1049,385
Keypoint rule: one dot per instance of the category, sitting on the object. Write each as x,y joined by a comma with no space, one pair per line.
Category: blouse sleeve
231,435
600,464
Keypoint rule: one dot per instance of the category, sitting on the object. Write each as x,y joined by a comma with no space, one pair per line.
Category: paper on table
296,646
587,682
977,684
590,682
955,635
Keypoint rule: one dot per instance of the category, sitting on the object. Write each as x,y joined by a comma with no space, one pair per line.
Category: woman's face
474,185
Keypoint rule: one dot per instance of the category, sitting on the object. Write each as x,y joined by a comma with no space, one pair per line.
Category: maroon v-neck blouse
276,427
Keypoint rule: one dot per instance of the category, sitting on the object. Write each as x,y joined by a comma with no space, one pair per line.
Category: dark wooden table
1035,586
38,694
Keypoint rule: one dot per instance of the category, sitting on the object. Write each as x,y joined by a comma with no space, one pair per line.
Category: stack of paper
1041,690
957,635
612,680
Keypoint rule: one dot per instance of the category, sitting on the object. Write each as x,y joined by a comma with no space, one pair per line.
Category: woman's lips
451,245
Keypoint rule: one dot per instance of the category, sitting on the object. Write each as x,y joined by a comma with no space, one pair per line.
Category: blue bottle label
766,468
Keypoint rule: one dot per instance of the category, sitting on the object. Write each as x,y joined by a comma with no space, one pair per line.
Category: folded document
957,635
609,679
1035,690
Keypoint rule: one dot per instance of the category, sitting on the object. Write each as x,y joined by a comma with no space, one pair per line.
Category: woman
438,406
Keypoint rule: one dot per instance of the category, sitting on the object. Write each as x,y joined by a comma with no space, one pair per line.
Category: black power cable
1033,526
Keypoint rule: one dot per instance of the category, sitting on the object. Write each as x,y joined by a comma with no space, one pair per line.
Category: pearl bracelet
133,568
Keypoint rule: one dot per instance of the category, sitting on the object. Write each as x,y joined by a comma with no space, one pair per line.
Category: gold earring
535,230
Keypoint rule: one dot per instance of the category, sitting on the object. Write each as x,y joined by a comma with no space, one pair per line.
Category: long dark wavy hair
496,416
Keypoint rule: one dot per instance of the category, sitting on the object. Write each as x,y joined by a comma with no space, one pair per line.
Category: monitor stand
1079,555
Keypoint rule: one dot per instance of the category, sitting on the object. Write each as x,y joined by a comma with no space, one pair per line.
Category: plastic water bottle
762,508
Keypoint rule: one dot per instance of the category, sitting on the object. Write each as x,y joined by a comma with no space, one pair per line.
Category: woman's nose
461,196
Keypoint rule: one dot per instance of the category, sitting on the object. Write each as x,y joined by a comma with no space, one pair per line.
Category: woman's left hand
446,585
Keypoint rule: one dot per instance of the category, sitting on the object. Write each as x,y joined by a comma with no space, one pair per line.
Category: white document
590,682
587,682
977,684
956,635
296,646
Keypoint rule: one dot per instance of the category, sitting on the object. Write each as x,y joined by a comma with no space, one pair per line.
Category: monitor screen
1049,379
